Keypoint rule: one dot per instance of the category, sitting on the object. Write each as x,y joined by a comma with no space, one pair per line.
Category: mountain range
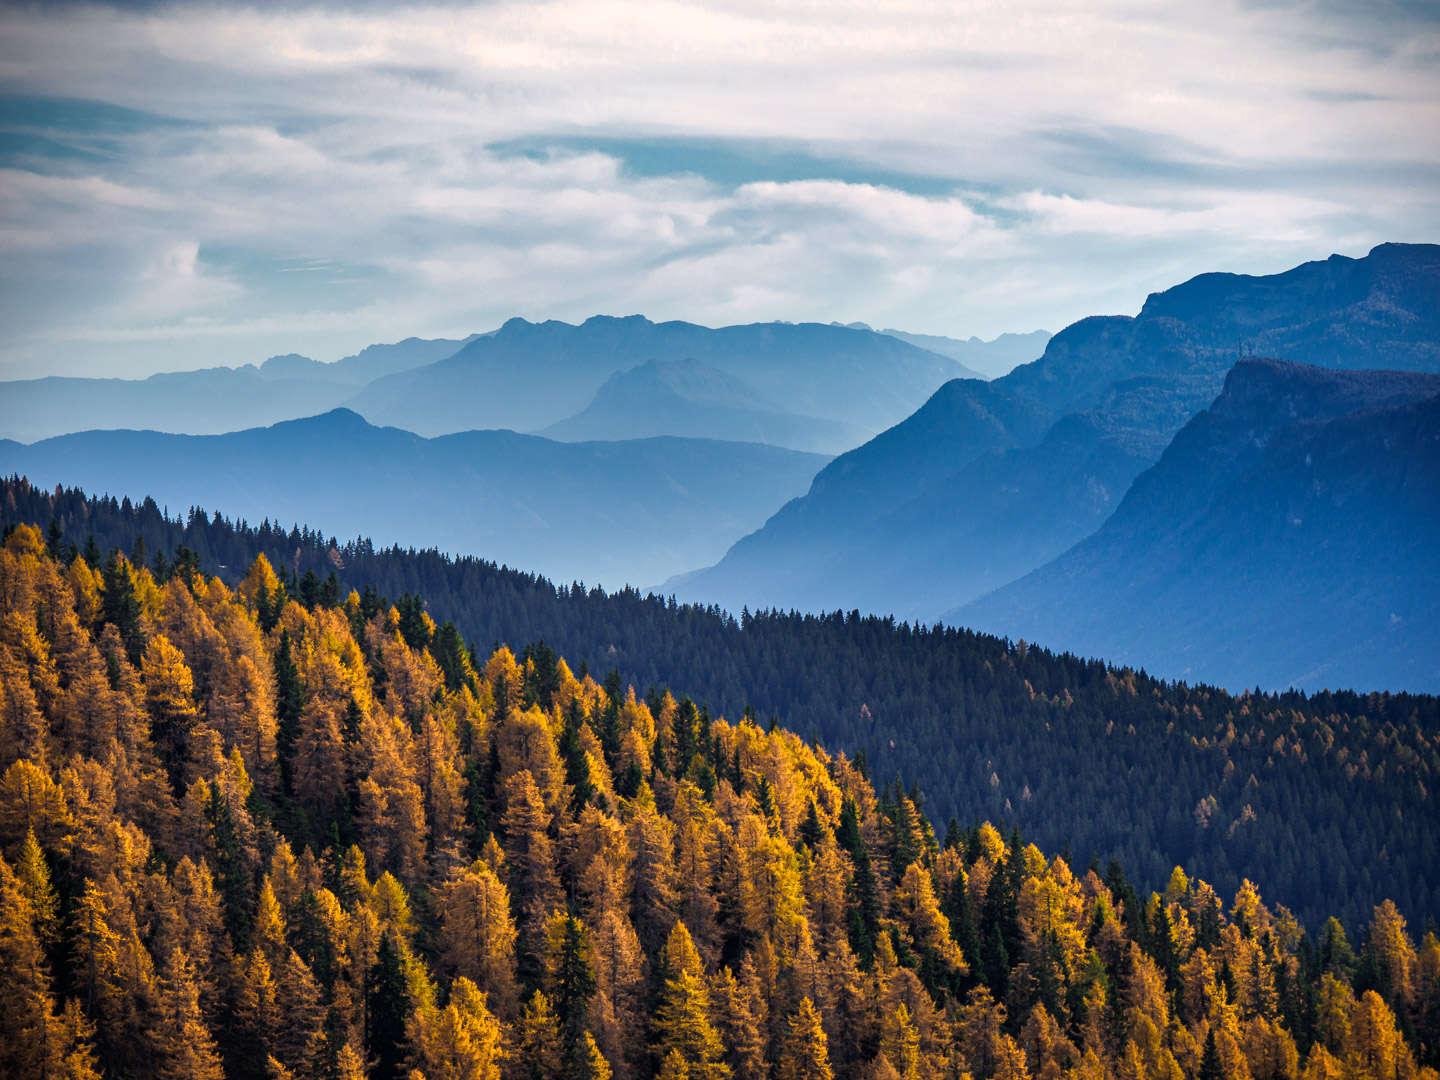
634,511
806,387
660,447
990,480
529,376
1286,537
987,359
208,401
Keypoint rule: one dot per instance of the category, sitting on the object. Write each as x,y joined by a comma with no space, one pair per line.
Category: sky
187,185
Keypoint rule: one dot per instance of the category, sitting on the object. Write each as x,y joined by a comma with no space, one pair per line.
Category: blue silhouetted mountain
780,565
370,363
603,512
663,397
528,376
969,509
1287,536
208,401
987,359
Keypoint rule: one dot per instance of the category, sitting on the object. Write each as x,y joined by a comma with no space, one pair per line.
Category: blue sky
200,184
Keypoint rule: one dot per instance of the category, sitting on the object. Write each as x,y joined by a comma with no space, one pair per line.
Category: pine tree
961,913
289,704
231,872
1210,1066
121,607
569,977
387,1010
864,897
588,1063
995,963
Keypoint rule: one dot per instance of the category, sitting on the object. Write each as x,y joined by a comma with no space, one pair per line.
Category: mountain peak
617,320
338,421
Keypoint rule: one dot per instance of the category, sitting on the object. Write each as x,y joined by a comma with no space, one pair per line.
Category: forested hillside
250,835
1323,800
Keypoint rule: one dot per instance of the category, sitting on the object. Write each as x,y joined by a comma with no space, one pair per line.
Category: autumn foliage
248,837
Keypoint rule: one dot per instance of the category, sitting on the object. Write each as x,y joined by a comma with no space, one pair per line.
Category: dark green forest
1321,800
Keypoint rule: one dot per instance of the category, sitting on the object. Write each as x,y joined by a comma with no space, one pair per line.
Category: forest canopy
1322,800
247,834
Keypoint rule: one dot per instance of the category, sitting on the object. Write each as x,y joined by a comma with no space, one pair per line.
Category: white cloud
1000,165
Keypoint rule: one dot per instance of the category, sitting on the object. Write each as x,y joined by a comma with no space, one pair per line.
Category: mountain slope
616,512
204,402
1286,537
531,375
661,397
784,564
1136,380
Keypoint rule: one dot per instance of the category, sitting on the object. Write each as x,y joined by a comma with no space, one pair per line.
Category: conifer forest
715,540
263,829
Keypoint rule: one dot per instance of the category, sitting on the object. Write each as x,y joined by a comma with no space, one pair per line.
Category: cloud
173,177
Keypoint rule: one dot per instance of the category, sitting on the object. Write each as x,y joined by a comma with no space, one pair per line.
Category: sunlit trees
298,838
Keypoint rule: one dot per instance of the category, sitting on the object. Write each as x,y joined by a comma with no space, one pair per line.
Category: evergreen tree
289,704
121,607
1210,1064
387,1012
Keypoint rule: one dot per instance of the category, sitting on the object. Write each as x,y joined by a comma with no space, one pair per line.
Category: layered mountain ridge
661,397
210,401
528,376
979,507
1286,537
616,512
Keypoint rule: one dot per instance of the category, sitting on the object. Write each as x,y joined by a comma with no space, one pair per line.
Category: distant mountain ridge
528,376
804,386
631,512
981,506
209,401
988,359
1288,536
369,364
660,397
